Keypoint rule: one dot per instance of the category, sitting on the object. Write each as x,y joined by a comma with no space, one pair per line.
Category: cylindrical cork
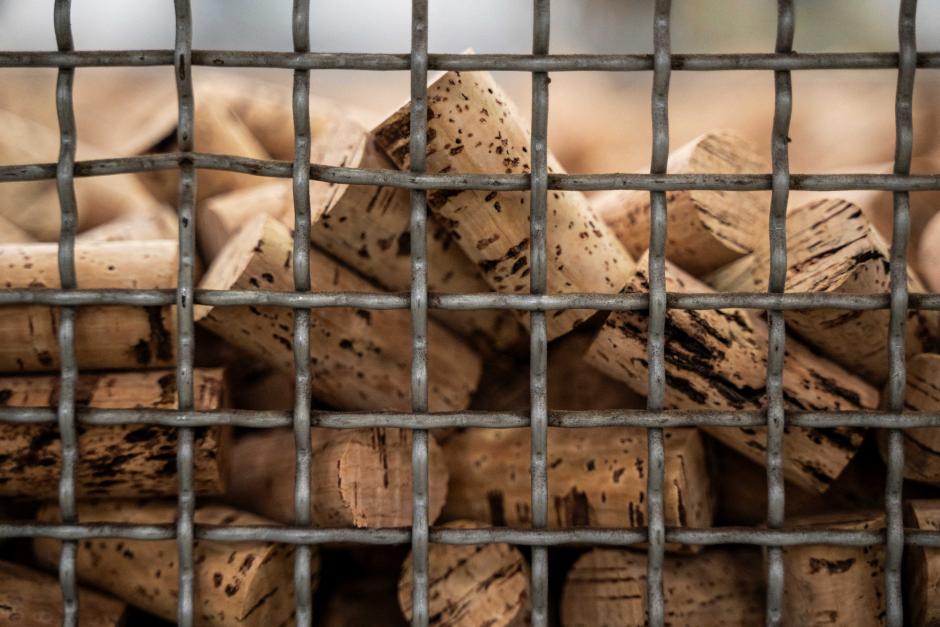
359,359
833,247
484,584
218,130
12,234
922,568
106,337
359,478
114,460
921,444
367,228
159,224
596,477
34,599
245,583
928,254
717,359
706,228
33,206
718,587
474,128
841,586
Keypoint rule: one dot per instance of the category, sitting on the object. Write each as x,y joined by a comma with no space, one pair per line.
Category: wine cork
720,587
485,584
596,477
835,585
245,583
717,359
359,477
368,229
833,247
106,337
29,597
34,207
359,359
114,460
922,568
921,444
474,128
706,228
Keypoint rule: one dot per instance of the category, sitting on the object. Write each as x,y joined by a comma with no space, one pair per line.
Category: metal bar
461,181
527,537
418,138
186,499
65,186
518,302
897,374
303,589
776,342
468,62
475,418
656,341
538,333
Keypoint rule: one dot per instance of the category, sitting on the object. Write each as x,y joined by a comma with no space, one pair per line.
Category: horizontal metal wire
460,302
464,181
468,62
267,419
443,535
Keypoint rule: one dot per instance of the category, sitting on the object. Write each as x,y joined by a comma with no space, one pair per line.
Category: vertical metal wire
65,185
662,64
303,591
776,417
897,376
419,311
184,309
538,338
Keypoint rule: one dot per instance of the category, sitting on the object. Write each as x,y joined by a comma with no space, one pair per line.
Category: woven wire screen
780,181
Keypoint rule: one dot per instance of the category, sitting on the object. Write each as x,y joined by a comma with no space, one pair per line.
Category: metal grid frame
539,63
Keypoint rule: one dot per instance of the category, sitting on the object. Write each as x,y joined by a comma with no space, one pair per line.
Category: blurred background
598,121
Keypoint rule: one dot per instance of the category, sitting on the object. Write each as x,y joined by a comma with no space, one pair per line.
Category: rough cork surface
358,359
833,247
922,576
596,477
243,583
720,587
30,598
105,337
706,228
474,128
359,477
841,586
921,444
718,360
483,584
113,461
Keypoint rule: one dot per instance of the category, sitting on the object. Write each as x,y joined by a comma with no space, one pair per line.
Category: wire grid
655,418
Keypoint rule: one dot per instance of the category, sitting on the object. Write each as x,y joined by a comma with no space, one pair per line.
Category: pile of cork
360,360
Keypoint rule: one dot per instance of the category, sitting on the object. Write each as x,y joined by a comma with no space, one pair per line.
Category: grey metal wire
418,300
303,593
538,332
495,182
418,138
897,375
65,185
186,500
656,341
776,348
463,62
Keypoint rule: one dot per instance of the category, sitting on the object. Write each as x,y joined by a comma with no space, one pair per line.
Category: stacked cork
360,360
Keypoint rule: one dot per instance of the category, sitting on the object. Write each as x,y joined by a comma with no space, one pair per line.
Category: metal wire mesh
540,63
